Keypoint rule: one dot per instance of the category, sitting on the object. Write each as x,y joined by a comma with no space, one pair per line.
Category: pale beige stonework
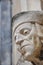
25,5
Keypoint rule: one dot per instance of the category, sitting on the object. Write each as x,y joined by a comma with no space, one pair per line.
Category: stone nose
19,38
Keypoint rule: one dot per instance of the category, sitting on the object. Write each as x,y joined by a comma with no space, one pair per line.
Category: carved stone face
28,38
23,38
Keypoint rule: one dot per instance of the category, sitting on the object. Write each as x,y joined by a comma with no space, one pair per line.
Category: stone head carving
27,33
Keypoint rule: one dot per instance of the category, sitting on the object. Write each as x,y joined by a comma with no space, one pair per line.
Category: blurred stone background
5,32
8,9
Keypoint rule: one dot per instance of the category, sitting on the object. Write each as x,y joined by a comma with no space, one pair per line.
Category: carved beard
27,39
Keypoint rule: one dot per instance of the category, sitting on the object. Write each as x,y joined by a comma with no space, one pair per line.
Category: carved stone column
25,5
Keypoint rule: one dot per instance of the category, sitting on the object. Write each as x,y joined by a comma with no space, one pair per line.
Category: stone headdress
29,16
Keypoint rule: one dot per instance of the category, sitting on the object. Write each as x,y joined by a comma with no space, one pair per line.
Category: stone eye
24,31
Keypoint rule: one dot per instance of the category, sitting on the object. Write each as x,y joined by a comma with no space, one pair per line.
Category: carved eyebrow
20,24
25,29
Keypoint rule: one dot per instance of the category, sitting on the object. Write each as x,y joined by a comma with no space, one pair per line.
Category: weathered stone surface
27,37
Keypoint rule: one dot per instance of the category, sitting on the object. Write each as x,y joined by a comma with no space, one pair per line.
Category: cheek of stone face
40,31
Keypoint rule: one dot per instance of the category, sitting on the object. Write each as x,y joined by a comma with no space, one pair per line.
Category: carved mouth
26,49
26,43
24,46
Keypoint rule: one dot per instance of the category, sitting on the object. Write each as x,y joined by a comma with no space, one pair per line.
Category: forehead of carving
23,26
32,16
